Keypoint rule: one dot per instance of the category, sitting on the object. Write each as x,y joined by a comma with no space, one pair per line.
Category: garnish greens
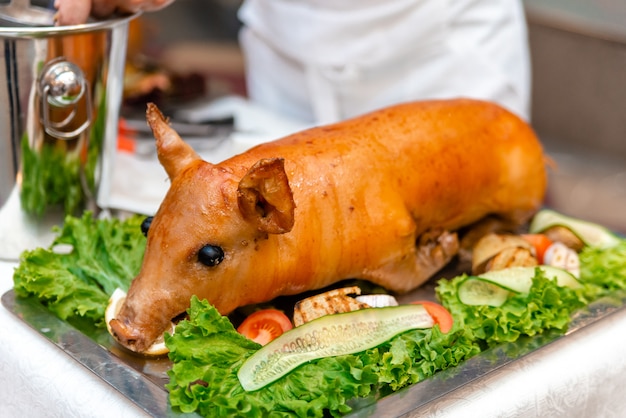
207,352
76,285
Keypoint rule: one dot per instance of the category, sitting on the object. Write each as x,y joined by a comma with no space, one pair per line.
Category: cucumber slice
498,284
520,279
590,233
475,291
330,335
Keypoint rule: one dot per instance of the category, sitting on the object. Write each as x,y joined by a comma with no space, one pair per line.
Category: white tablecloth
37,379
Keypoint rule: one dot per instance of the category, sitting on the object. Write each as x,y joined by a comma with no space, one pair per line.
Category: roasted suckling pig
378,197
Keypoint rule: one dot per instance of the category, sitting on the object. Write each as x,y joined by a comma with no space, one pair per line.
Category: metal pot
60,96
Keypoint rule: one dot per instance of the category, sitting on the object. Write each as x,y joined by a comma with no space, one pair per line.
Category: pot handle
62,84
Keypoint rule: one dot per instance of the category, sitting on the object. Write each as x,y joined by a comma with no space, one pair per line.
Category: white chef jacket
320,61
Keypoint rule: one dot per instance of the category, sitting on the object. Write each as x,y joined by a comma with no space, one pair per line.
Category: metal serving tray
142,380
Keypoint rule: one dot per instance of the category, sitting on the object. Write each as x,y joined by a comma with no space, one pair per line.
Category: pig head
211,233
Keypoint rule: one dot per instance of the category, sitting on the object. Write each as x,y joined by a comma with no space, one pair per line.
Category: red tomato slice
265,325
540,242
441,315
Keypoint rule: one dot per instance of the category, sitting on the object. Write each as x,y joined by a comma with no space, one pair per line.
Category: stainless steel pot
60,97
60,93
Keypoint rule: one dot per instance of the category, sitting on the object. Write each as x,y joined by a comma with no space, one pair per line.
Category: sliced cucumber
475,291
520,279
330,335
590,233
497,285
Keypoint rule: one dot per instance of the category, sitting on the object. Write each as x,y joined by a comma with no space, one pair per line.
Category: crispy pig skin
348,200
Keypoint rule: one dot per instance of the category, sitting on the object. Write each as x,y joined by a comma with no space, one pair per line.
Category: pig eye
210,255
145,225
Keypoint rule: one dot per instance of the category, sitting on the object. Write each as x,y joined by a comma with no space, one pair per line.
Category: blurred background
578,50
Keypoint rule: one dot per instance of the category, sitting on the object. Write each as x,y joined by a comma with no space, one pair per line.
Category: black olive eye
210,255
145,225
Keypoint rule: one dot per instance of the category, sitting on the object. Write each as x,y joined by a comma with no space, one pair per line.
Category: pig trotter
435,249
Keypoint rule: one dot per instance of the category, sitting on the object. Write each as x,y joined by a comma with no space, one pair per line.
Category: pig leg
421,259
434,250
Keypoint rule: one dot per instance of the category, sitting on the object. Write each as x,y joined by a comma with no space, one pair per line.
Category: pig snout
138,329
141,321
129,337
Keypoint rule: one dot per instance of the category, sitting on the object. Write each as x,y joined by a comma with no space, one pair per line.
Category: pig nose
125,336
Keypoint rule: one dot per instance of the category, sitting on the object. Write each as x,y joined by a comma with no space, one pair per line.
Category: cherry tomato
540,242
264,325
441,315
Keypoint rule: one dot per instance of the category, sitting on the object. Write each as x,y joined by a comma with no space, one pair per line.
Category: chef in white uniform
319,61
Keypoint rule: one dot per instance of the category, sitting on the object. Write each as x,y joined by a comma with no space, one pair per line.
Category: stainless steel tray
142,380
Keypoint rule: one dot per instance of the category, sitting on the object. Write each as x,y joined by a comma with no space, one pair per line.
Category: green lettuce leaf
603,270
547,306
76,286
207,352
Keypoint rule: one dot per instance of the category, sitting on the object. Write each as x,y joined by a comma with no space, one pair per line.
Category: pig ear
265,197
174,153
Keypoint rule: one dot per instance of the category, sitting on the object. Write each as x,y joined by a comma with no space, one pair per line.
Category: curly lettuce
547,306
76,285
603,270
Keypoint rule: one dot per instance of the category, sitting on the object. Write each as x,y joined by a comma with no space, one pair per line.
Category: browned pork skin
334,202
